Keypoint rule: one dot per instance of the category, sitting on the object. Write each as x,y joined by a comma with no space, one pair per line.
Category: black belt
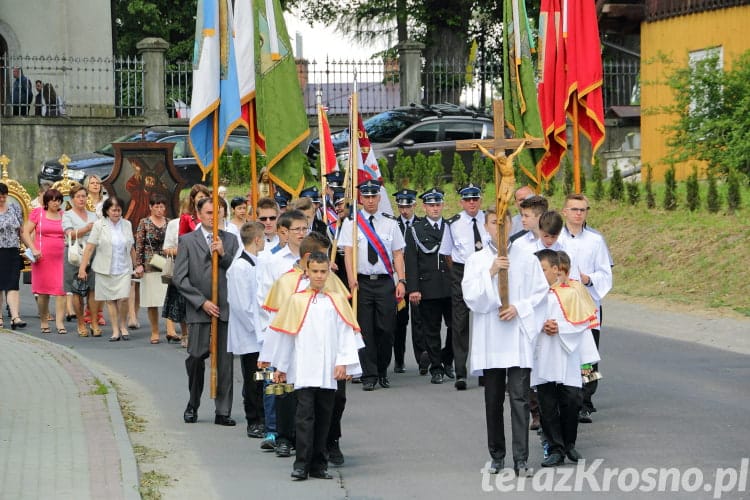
374,276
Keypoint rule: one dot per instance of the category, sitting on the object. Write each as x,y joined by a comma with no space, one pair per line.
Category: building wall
676,38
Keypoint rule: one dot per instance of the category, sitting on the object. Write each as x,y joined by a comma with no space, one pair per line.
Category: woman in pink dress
48,247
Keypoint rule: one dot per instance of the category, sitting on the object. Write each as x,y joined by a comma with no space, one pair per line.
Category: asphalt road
663,403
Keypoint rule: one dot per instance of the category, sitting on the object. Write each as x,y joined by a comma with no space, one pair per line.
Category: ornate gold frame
15,188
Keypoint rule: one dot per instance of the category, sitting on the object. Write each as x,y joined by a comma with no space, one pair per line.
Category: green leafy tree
692,189
458,172
616,188
734,196
421,171
383,165
634,192
670,189
597,177
478,175
134,20
712,105
650,198
713,200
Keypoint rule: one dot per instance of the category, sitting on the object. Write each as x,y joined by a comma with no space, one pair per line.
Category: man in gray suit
192,277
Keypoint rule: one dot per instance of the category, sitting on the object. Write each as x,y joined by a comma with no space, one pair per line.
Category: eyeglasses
579,210
298,229
263,219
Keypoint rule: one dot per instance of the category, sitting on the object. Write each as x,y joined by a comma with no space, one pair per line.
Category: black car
101,161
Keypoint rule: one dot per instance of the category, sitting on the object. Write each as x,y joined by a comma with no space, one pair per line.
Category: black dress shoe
299,474
335,457
573,455
320,474
191,415
384,382
399,369
224,420
449,371
368,386
553,460
356,380
520,468
424,363
584,416
437,378
496,466
460,384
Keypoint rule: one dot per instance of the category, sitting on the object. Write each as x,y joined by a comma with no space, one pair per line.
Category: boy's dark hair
268,203
237,201
314,242
318,258
250,231
548,255
564,259
551,222
295,215
284,220
538,204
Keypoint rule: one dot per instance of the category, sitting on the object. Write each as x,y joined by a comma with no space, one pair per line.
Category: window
427,132
459,131
701,62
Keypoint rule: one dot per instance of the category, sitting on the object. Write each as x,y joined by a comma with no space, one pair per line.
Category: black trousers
434,311
195,365
590,388
286,408
252,390
339,404
558,407
376,314
494,396
459,321
314,410
417,333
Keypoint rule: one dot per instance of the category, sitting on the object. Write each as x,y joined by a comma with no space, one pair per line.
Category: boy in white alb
503,339
557,360
317,347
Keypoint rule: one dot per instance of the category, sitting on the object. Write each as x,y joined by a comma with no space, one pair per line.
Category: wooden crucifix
504,180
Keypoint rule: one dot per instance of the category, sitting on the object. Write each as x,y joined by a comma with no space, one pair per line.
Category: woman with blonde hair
96,194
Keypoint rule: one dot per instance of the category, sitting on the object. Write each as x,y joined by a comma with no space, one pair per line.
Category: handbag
157,261
167,271
75,252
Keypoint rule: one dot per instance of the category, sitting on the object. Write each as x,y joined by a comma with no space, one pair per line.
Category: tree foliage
713,200
172,20
712,106
670,189
458,172
692,191
650,198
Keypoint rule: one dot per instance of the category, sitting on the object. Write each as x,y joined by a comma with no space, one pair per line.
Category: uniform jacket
426,272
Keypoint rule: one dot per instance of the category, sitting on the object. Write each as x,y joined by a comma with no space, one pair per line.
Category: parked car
416,129
101,161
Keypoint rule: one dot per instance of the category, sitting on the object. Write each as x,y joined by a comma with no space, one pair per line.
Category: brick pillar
410,67
153,51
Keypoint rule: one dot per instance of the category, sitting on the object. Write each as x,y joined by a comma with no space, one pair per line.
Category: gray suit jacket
192,273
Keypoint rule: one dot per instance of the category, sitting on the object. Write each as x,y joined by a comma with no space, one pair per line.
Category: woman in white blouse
112,238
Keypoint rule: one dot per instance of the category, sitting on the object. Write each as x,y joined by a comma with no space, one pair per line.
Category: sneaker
255,430
283,448
335,457
269,442
584,417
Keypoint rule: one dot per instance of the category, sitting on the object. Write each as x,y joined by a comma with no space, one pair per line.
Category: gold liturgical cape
577,305
292,314
288,284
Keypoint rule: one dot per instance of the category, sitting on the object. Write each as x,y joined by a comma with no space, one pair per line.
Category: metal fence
76,86
115,86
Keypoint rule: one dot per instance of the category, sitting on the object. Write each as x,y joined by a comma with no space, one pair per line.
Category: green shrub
597,177
434,170
670,189
568,181
692,189
650,198
403,170
458,172
734,197
634,192
616,188
421,171
550,187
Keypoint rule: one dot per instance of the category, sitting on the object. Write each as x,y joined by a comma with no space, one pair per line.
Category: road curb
128,464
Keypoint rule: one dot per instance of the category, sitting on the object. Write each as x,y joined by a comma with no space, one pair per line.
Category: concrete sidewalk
58,437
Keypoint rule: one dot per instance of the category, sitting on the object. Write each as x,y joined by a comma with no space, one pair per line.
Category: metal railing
115,86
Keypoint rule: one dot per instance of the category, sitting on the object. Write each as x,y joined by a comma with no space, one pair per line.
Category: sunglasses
272,217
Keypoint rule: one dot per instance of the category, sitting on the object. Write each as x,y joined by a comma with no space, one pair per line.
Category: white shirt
270,267
119,264
324,342
458,238
244,319
589,255
389,233
496,343
270,338
171,234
